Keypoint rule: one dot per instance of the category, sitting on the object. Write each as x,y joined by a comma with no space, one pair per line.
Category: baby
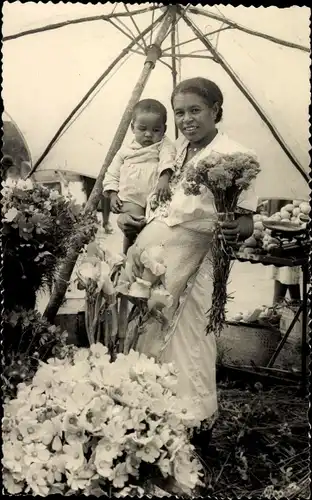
143,167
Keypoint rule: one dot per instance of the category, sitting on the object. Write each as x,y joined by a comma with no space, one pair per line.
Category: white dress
186,234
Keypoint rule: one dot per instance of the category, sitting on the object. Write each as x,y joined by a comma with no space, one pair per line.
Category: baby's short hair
150,106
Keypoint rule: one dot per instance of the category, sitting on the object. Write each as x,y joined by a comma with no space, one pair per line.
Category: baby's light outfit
135,170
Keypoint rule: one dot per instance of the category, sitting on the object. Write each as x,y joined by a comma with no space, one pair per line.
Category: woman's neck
205,141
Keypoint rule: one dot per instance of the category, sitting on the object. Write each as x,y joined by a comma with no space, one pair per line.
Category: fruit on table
238,317
296,211
285,214
304,207
261,239
251,242
258,234
289,207
258,225
297,203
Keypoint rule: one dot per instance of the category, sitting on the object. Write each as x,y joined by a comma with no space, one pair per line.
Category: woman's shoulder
225,144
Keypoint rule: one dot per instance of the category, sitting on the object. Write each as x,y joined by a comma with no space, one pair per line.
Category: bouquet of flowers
86,425
111,283
97,274
226,176
39,225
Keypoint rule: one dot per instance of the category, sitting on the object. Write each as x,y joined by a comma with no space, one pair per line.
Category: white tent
46,74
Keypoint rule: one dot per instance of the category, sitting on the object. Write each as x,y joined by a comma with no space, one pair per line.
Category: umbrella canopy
47,73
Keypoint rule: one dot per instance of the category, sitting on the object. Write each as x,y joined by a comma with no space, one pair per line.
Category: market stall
283,243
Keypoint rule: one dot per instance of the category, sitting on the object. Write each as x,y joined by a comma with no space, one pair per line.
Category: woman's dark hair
208,90
150,106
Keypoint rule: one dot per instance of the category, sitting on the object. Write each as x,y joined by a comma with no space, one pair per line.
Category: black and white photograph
155,217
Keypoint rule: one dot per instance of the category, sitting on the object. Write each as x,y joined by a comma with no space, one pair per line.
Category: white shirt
198,212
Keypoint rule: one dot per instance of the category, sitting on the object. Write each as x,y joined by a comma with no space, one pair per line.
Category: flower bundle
96,274
226,176
85,425
38,227
111,283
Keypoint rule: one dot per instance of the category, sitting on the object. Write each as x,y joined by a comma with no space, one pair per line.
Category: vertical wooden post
153,53
173,60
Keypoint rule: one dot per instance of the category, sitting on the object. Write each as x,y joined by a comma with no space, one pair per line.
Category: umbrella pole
227,68
174,60
153,53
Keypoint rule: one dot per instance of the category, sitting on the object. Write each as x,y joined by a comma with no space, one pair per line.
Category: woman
184,226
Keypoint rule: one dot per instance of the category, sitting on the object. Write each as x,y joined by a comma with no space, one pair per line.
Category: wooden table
287,261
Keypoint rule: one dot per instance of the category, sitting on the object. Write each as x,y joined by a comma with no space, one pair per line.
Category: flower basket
241,344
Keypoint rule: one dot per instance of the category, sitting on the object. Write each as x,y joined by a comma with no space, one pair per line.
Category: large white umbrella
45,74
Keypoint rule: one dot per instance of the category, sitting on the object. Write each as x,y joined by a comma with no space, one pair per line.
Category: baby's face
148,128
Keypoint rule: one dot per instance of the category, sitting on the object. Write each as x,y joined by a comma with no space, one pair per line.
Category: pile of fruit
261,240
262,315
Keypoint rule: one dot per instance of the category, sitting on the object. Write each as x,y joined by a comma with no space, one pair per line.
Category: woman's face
193,117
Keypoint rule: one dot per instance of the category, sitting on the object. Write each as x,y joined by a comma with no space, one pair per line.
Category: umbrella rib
90,91
235,78
196,38
131,37
54,26
240,27
134,24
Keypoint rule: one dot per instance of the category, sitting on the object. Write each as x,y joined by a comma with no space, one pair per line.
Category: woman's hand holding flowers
239,229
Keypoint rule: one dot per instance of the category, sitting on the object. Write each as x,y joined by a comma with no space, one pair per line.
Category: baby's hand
115,203
163,192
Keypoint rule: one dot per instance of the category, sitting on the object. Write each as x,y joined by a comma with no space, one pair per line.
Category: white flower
103,467
165,465
29,428
25,185
88,271
12,486
13,456
54,195
95,414
9,183
80,479
120,476
140,289
99,355
187,471
10,215
78,372
149,453
36,478
71,422
81,354
73,456
153,259
160,298
82,394
54,472
36,453
48,430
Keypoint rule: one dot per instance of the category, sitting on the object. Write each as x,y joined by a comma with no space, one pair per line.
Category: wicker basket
242,344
